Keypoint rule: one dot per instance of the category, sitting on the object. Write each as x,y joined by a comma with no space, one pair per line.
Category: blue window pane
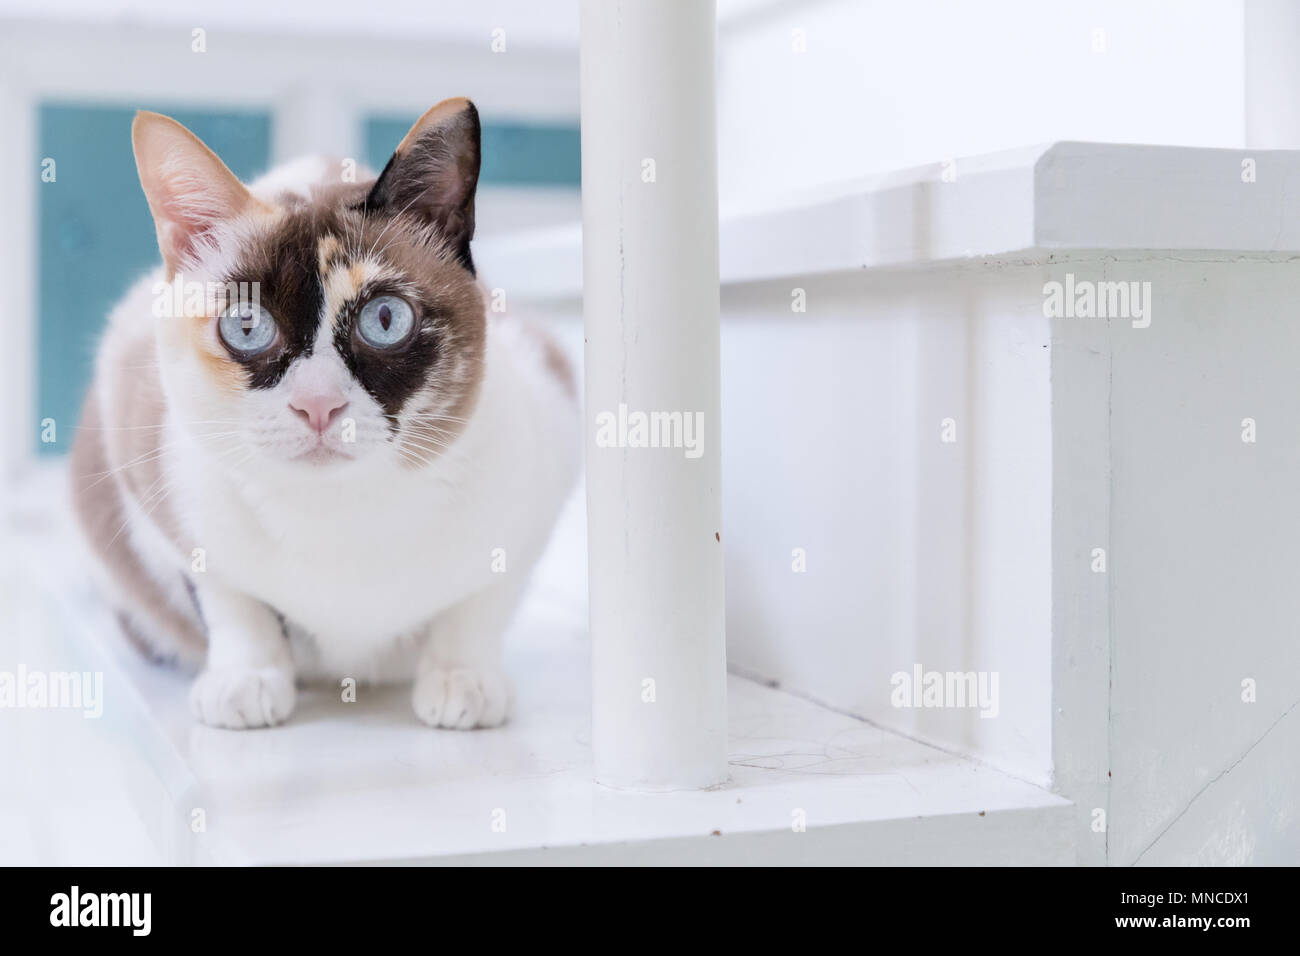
514,154
96,235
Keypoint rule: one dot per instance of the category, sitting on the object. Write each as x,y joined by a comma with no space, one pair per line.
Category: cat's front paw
462,698
241,698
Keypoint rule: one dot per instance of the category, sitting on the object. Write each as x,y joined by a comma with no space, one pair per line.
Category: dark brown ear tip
470,117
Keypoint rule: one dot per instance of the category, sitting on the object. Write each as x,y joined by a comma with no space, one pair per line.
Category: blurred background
810,92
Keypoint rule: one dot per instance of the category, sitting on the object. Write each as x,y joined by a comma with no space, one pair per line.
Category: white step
365,782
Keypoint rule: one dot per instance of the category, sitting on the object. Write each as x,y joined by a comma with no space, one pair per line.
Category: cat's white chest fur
363,560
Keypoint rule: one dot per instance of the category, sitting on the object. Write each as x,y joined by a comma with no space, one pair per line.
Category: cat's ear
189,189
434,172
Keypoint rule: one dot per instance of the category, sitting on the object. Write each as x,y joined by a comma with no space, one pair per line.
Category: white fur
381,571
362,555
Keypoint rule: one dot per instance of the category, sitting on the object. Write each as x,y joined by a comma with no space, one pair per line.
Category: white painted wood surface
1122,687
1055,197
649,202
366,782
1205,665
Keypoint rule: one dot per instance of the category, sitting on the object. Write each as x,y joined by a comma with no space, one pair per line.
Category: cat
327,459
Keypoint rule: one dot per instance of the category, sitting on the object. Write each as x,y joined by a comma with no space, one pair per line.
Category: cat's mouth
322,454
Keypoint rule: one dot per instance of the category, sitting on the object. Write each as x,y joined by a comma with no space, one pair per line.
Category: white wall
917,551
1205,551
885,85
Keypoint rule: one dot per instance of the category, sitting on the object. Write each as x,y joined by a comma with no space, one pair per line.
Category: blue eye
385,321
247,329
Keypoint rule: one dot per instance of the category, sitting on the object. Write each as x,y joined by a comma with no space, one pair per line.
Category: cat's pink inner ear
188,187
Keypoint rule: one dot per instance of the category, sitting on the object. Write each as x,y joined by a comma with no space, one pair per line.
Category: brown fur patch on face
327,249
320,260
346,281
443,406
373,254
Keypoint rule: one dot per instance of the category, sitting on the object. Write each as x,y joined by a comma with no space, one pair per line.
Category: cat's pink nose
318,408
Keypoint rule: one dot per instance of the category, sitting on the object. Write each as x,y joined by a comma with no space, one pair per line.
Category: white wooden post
650,280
